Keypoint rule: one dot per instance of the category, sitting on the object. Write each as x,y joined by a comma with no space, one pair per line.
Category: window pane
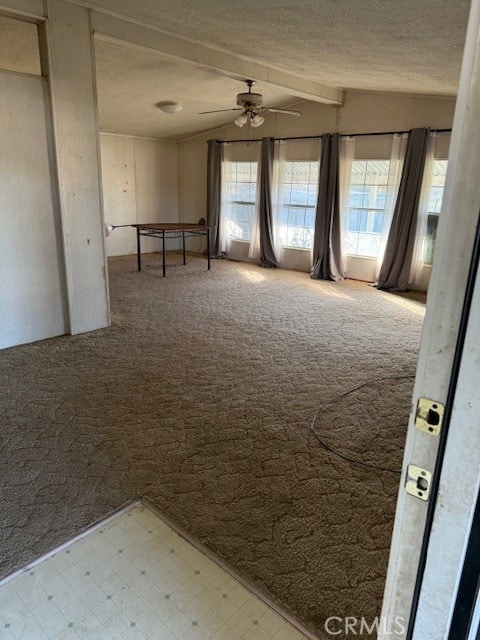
363,221
439,173
243,192
240,223
299,237
230,194
240,213
299,199
368,244
428,249
312,195
352,242
353,223
356,196
378,221
367,201
377,172
300,172
359,168
432,223
309,218
299,193
374,197
246,171
435,200
297,217
429,240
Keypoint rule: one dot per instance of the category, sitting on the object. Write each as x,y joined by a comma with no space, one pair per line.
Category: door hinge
418,482
429,416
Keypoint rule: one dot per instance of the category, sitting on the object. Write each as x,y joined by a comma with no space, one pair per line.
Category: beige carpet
200,397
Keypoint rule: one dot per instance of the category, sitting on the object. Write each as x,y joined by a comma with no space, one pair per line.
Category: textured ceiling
380,45
130,84
19,46
395,45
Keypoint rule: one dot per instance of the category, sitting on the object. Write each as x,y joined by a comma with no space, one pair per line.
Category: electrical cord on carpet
342,456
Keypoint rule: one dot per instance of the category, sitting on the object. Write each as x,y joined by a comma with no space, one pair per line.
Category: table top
172,226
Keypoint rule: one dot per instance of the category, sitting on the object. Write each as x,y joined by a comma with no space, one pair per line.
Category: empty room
239,320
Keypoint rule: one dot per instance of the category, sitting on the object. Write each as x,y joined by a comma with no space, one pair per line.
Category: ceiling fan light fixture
251,106
257,120
241,120
170,107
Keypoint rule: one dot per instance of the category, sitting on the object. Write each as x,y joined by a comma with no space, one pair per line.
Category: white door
425,561
32,291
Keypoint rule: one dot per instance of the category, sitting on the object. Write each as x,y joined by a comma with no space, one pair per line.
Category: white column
68,60
453,250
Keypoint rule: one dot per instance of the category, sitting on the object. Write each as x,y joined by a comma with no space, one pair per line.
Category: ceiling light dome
257,120
241,120
170,107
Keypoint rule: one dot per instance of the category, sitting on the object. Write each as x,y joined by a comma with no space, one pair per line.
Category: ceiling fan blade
201,113
286,111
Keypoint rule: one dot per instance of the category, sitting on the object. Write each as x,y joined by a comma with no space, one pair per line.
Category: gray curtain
214,194
267,253
328,237
397,262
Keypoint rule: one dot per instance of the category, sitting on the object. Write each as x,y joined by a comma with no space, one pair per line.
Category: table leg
183,238
208,248
163,252
139,258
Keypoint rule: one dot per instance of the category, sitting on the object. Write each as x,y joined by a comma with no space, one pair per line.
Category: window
242,180
367,201
299,204
435,198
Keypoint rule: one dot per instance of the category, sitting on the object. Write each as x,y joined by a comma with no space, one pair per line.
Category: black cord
325,446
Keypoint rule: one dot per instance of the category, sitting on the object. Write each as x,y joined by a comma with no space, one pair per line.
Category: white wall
360,113
73,169
32,282
140,184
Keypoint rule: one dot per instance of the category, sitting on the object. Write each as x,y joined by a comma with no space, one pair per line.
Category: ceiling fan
251,106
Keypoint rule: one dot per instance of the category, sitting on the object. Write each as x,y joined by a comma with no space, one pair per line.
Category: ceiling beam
131,34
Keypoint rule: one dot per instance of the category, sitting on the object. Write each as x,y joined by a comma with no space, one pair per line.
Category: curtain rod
342,135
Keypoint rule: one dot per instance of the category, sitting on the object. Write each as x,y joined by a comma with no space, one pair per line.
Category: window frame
243,202
436,214
368,210
289,205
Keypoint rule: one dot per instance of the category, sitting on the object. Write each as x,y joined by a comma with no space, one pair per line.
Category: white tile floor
131,579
